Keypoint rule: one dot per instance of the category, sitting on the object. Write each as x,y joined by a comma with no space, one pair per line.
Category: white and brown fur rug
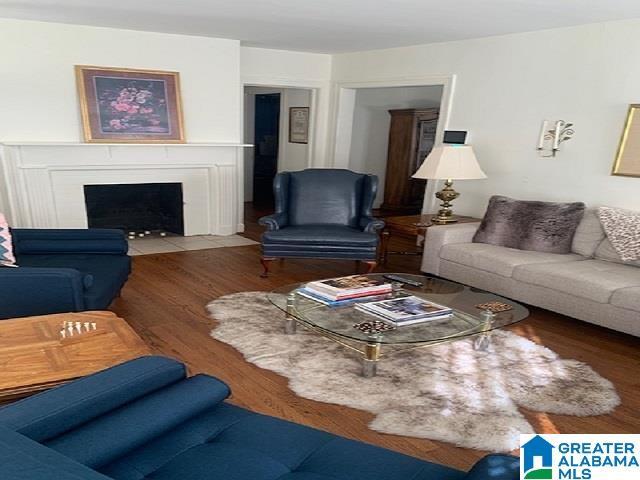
449,392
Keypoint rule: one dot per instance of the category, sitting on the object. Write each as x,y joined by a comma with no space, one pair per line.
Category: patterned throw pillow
6,248
623,230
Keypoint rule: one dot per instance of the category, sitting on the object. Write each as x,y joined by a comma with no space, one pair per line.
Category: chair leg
371,264
357,266
265,261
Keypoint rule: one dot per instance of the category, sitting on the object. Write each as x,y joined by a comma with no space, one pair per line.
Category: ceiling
328,26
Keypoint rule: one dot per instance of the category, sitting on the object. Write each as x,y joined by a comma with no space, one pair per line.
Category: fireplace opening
136,207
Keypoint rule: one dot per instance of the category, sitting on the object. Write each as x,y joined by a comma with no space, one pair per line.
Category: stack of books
406,310
344,290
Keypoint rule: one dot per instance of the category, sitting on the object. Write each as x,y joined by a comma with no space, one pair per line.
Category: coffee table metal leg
482,342
370,361
290,324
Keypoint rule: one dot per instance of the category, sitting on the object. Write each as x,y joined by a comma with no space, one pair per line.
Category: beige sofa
591,283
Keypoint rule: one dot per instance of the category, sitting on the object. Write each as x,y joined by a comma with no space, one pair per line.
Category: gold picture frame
129,105
627,162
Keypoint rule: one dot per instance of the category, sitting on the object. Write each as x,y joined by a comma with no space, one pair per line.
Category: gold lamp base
447,195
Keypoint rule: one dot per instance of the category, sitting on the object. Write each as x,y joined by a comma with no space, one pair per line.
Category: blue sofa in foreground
145,419
63,271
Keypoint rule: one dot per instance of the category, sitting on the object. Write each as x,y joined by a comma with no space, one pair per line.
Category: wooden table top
34,356
413,223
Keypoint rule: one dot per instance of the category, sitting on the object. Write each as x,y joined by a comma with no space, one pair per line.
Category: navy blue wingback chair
322,213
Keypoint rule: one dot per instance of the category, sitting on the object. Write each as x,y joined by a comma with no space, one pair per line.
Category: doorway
266,140
363,131
266,127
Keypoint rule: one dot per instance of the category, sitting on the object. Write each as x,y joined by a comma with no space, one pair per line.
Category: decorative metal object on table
561,132
346,325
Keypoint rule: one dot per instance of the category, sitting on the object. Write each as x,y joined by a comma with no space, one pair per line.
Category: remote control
407,281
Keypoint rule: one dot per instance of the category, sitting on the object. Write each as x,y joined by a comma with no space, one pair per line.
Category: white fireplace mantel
42,183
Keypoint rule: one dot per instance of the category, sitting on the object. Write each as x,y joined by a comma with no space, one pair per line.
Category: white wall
291,156
371,120
506,86
281,68
38,98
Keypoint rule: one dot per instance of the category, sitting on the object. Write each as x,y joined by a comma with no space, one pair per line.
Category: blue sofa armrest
275,221
26,291
371,224
21,458
29,241
495,467
51,413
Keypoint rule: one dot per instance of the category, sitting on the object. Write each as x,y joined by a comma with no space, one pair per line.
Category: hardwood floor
165,300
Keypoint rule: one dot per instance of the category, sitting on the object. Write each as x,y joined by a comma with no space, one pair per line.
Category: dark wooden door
267,127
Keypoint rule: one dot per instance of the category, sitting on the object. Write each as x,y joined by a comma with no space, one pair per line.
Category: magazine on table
305,292
353,286
406,309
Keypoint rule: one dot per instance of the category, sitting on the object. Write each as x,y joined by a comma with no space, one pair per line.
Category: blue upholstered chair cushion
231,443
64,270
104,275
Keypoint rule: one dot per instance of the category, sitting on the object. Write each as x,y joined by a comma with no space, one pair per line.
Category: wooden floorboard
165,301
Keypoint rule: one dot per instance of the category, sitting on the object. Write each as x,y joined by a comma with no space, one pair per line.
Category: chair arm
495,467
46,241
26,291
439,235
275,221
371,224
50,413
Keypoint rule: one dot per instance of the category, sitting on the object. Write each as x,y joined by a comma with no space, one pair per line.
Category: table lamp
449,162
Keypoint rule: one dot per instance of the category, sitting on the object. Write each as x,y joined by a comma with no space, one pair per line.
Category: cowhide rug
449,392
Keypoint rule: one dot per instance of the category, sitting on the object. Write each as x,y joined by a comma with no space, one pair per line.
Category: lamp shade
455,162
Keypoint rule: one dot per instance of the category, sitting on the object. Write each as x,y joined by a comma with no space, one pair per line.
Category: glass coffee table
339,323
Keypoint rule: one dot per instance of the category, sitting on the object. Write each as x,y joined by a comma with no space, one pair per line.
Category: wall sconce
561,132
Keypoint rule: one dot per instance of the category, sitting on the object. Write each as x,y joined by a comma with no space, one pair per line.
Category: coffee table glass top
466,319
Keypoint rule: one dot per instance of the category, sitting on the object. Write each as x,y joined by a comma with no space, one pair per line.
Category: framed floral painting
129,106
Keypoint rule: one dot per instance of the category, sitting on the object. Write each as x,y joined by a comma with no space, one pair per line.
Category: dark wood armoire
412,134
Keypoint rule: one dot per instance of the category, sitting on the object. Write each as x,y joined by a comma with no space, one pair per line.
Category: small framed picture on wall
299,125
124,105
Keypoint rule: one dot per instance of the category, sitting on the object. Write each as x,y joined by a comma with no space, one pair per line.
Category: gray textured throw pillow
529,225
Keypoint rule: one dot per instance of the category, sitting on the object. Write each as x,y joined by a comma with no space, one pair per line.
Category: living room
539,275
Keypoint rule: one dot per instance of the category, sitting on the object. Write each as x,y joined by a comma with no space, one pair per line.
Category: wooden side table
34,356
409,226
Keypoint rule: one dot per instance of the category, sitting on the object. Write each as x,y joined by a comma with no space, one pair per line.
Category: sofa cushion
231,443
628,298
607,252
623,230
594,280
24,459
330,235
109,273
114,434
499,260
530,225
589,234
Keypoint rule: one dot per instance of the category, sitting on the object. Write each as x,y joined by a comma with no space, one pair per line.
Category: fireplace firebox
136,207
